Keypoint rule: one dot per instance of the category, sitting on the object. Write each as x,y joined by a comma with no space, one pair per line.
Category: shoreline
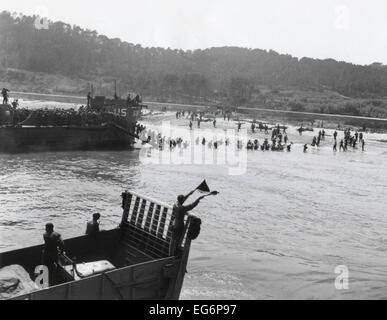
330,121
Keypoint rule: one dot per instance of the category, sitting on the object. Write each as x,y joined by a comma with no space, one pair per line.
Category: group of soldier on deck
136,101
62,117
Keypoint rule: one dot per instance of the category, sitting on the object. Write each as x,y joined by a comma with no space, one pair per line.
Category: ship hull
40,139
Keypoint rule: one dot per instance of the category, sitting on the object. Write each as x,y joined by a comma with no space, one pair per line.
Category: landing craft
131,262
108,124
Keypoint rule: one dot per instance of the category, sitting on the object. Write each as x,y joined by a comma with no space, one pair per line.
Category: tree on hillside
227,73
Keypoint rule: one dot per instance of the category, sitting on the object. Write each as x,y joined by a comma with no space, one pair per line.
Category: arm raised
188,195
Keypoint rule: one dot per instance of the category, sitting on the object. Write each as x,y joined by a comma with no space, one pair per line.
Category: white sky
349,30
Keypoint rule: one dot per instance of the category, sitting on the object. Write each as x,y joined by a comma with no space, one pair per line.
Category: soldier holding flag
179,213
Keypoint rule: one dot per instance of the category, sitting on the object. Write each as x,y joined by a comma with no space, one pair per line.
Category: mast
6,53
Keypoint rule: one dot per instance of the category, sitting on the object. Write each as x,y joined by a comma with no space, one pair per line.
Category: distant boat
301,130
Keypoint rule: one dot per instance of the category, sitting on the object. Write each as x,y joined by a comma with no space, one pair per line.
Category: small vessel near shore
131,262
106,124
302,129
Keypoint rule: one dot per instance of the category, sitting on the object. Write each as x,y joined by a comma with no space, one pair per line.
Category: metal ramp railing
147,224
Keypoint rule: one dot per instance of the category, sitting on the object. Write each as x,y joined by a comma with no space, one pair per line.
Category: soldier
89,97
342,145
137,99
179,213
4,93
52,242
15,104
253,127
93,226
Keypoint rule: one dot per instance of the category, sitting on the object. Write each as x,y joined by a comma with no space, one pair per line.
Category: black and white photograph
178,150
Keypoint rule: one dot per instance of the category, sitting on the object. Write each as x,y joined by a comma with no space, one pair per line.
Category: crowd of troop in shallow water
349,141
86,116
279,141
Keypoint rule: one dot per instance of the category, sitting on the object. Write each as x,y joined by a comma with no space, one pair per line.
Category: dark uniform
89,97
52,242
92,228
4,93
179,212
